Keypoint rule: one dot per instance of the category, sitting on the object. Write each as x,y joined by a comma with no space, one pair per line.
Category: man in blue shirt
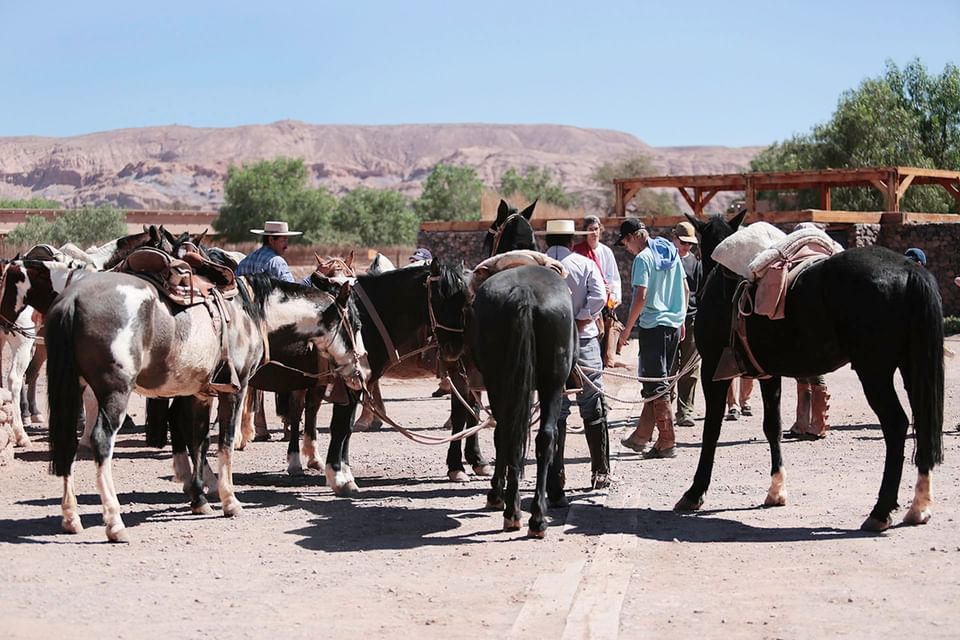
589,298
658,308
268,259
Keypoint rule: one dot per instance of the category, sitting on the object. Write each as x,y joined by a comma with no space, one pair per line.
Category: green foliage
535,184
450,193
272,190
372,217
647,200
84,227
32,203
904,117
951,325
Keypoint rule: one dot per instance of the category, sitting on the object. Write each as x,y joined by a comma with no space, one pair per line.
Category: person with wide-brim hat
268,259
589,297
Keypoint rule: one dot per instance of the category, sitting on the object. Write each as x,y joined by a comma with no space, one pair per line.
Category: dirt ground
416,554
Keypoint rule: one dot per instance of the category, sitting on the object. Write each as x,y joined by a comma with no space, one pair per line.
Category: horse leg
113,408
546,442
21,348
472,446
367,420
294,409
882,397
314,396
247,429
181,437
337,471
30,380
90,409
715,395
458,418
770,390
192,417
499,477
511,507
229,414
69,508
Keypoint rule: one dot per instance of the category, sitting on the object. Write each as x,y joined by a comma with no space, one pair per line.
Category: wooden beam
686,196
825,196
904,183
708,197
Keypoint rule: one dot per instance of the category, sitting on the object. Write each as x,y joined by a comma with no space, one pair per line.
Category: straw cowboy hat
275,228
562,228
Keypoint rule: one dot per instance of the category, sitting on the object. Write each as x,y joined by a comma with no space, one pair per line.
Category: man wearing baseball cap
421,255
659,308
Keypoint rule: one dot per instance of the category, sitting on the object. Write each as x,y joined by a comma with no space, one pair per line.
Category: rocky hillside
184,167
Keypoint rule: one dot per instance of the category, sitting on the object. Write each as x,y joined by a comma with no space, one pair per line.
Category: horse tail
63,388
925,358
519,366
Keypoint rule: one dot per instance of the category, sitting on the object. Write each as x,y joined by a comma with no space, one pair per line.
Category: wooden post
619,206
750,196
825,197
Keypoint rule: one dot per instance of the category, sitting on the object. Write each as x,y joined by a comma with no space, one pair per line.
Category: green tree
647,200
903,117
536,183
374,217
32,203
450,193
83,227
272,190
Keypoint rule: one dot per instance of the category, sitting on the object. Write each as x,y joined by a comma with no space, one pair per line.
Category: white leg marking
341,481
71,512
181,470
228,498
921,509
116,531
294,466
777,495
309,451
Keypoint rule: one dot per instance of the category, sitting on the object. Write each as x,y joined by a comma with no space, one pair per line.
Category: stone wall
941,243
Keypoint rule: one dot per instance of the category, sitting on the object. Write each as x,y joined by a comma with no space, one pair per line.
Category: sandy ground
416,554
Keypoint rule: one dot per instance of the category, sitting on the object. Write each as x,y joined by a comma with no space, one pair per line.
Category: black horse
406,301
867,306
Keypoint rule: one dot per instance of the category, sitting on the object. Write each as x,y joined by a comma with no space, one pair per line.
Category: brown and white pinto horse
113,332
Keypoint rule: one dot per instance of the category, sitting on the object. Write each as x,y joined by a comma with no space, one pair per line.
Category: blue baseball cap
917,255
421,254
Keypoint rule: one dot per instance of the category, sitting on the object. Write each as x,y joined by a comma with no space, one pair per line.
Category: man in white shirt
589,298
603,257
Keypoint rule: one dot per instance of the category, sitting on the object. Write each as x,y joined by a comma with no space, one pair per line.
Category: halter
11,326
498,234
434,325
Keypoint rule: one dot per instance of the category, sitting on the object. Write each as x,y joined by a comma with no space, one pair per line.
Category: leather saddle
185,282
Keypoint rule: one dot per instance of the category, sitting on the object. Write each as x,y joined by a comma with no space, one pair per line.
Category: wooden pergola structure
892,182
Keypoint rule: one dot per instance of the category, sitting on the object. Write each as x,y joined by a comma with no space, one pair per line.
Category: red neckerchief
584,249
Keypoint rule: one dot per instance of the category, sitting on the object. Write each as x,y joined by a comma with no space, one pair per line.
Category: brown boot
819,406
802,425
639,440
666,445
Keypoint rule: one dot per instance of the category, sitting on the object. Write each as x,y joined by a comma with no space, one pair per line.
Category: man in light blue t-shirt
658,308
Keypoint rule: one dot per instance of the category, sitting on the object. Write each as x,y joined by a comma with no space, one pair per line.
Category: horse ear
435,265
349,259
154,234
737,220
344,294
319,259
502,211
697,223
528,212
200,238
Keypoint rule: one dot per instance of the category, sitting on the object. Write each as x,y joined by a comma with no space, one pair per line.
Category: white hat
562,228
275,228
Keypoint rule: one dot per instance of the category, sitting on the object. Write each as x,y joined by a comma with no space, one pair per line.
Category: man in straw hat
268,259
659,308
589,298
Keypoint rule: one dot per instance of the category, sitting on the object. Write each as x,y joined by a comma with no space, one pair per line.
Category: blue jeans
658,350
589,399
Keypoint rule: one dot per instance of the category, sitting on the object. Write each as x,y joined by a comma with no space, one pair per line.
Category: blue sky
670,73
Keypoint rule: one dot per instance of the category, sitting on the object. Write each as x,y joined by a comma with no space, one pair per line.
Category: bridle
498,234
434,325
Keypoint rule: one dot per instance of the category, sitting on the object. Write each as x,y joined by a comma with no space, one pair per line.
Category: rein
498,234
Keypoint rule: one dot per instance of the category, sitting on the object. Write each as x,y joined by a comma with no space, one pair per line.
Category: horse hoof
232,508
458,476
687,505
483,470
117,533
72,525
875,525
294,470
347,491
917,516
495,504
775,500
36,419
22,441
537,535
202,509
510,524
558,503
315,465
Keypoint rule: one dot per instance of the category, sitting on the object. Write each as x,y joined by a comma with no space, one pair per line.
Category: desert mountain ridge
185,167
